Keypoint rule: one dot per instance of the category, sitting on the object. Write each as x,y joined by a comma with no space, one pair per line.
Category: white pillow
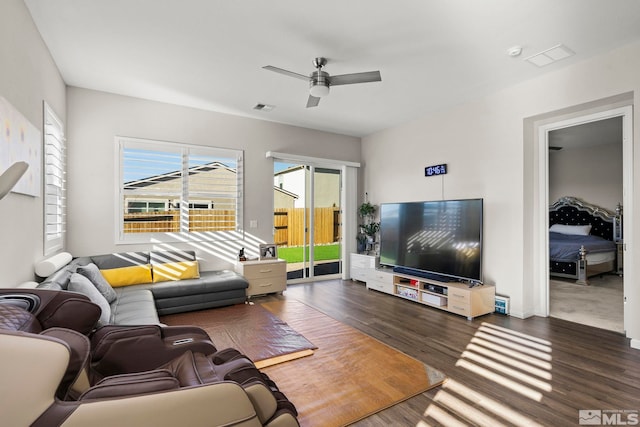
79,283
48,266
577,230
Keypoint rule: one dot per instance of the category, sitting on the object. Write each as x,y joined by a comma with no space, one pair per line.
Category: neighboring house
283,199
162,192
327,185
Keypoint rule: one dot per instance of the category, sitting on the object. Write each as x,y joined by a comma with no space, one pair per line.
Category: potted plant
366,210
366,237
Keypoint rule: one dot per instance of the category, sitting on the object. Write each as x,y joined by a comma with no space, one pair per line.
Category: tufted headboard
573,211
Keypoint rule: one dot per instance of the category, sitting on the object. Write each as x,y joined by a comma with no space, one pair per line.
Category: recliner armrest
128,349
132,384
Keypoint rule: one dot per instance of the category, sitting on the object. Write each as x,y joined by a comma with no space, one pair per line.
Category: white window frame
166,237
55,182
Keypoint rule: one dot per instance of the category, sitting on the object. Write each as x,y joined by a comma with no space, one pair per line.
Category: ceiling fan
320,81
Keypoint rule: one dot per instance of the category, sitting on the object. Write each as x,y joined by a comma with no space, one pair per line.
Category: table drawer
363,261
360,274
382,277
268,269
266,285
459,308
459,296
385,287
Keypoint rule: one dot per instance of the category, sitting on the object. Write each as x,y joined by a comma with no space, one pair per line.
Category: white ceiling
432,54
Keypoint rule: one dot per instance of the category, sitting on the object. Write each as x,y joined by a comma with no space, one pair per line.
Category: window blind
54,182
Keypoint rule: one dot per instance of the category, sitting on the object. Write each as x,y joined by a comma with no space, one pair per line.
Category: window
54,182
178,188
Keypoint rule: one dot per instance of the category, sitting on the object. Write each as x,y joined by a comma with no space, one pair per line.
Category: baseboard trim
635,343
521,314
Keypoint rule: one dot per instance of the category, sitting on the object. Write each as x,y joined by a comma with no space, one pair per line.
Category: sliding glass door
307,219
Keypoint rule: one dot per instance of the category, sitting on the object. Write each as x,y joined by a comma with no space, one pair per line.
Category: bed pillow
577,230
92,272
124,268
82,285
174,265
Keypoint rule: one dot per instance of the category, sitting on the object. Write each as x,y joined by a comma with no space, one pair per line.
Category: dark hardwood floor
501,370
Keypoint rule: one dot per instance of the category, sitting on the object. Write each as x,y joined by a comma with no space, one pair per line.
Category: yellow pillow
175,271
124,268
126,276
174,265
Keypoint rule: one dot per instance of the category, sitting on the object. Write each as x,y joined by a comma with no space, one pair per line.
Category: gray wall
593,174
28,76
95,118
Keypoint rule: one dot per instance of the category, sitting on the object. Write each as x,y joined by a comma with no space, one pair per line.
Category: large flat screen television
441,239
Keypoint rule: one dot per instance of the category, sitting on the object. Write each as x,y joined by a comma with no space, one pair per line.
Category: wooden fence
289,225
169,221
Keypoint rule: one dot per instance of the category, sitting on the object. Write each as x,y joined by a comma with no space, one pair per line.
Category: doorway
585,161
307,219
542,255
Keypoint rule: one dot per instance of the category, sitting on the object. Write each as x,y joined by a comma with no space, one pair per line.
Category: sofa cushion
134,306
79,283
208,282
91,272
174,265
125,268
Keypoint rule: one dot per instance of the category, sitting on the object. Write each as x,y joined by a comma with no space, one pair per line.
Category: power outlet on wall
253,223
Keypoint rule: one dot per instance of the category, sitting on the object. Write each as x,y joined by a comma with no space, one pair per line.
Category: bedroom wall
95,118
593,174
28,76
490,156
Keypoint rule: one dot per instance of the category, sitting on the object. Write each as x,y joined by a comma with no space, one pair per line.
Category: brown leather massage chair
56,370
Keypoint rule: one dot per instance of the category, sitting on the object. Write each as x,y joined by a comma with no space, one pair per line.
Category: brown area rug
350,376
254,331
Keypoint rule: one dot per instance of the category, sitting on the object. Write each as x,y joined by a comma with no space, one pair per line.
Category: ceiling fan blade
286,72
313,101
347,79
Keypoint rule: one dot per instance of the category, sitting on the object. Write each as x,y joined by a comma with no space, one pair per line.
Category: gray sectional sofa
143,303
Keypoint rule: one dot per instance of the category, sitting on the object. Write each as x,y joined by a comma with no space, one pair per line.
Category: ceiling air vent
550,55
263,107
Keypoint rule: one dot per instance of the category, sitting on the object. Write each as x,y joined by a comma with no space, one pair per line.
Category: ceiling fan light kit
320,81
319,84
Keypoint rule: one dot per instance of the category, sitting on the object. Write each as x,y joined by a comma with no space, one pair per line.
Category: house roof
169,176
432,54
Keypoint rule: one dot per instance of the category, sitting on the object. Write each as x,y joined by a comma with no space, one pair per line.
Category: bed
582,239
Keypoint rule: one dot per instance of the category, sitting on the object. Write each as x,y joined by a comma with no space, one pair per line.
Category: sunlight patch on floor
503,358
499,412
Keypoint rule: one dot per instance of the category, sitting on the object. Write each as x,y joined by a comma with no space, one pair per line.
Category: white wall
491,156
592,174
95,118
28,76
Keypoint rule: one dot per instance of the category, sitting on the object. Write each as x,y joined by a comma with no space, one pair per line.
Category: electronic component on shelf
442,290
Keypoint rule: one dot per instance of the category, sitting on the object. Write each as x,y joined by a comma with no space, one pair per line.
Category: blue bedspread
565,247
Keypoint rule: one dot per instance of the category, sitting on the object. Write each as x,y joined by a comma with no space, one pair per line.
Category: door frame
542,258
348,200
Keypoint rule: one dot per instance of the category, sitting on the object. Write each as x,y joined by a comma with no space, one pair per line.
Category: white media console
454,297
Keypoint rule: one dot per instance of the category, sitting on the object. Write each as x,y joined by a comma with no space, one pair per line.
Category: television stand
469,300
